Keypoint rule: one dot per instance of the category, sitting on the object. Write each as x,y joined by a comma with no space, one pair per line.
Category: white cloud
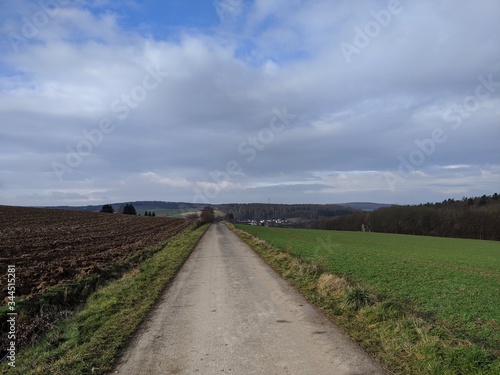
176,182
220,87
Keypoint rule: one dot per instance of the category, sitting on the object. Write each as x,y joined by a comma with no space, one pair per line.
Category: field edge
400,340
91,340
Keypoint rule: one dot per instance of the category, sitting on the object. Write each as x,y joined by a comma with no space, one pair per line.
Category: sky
219,101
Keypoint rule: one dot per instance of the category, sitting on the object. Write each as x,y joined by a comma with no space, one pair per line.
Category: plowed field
52,247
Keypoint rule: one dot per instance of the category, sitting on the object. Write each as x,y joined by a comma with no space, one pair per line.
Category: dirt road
227,312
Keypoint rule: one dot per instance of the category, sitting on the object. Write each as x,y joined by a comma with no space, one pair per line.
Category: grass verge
394,333
37,314
88,341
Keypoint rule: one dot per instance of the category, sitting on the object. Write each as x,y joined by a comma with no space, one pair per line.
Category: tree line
262,211
128,209
475,217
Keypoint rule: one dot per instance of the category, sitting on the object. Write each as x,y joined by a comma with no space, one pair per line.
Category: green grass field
454,282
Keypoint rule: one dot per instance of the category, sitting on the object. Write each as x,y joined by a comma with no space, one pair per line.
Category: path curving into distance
228,312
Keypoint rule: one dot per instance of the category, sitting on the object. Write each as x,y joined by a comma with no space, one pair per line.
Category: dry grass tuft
329,285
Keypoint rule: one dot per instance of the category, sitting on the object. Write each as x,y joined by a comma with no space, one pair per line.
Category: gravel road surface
227,312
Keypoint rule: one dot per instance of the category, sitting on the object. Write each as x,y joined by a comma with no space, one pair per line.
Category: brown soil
52,247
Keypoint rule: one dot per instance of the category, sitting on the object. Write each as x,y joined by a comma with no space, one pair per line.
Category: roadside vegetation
89,340
62,256
420,305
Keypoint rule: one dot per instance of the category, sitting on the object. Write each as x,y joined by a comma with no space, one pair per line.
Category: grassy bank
88,341
419,305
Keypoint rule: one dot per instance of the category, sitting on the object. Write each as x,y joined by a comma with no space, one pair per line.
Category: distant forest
477,217
306,212
139,205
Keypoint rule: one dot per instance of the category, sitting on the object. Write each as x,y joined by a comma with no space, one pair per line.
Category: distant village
268,223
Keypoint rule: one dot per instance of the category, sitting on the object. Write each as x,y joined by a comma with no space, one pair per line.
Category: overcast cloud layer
245,101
